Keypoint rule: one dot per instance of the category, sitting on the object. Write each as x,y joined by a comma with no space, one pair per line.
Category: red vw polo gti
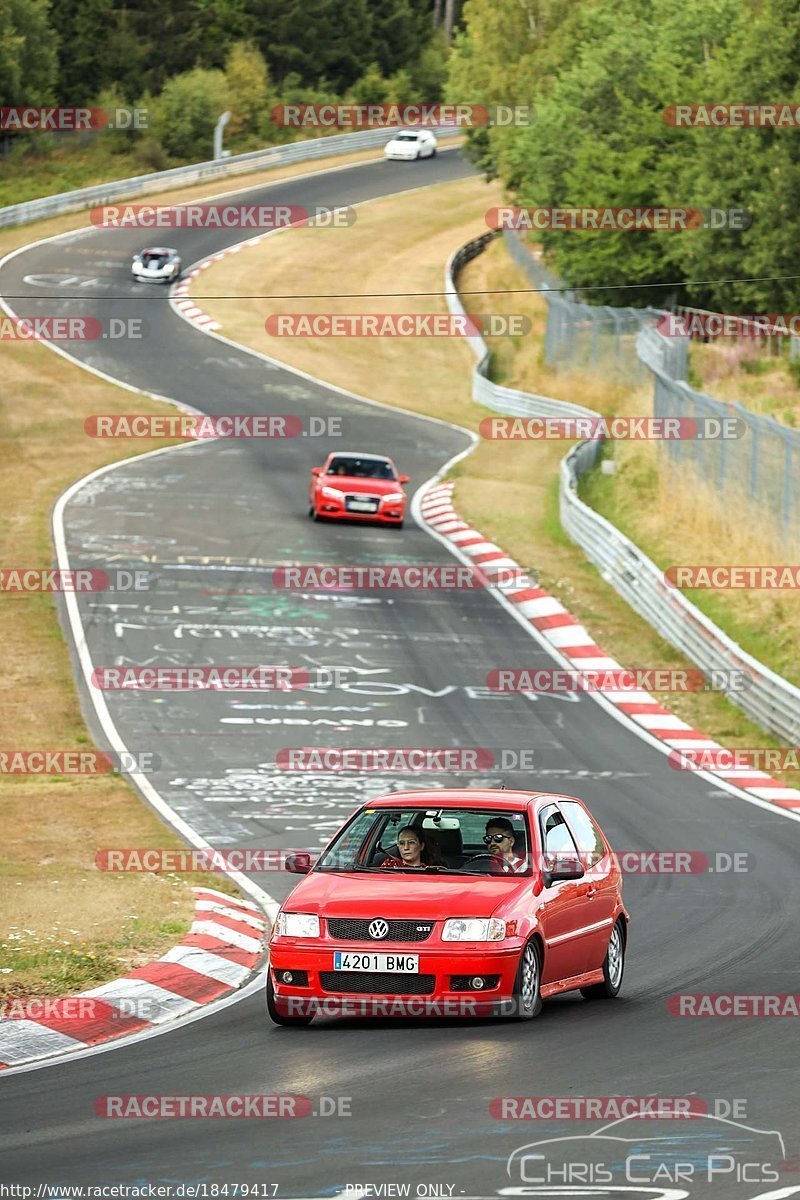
451,903
358,487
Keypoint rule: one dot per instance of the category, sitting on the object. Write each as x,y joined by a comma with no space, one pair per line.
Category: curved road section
410,1100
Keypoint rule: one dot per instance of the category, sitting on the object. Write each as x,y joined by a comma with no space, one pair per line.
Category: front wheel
528,984
613,967
275,1013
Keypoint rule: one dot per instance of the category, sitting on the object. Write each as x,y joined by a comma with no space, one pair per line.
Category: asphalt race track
206,522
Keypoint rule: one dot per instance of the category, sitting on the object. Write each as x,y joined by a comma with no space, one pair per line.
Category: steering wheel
477,857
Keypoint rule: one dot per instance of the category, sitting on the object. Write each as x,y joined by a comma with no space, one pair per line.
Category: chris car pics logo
669,1164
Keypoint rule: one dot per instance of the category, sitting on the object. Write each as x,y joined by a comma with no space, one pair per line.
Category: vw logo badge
378,928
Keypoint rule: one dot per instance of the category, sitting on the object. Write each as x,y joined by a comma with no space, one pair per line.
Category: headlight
301,925
393,498
474,929
333,493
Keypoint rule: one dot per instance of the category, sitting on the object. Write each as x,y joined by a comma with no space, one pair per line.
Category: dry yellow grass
512,486
64,925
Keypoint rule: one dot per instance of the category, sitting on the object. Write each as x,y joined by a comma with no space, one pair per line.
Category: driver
500,841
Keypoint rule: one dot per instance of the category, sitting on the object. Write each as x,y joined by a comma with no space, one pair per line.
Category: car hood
397,894
396,144
355,484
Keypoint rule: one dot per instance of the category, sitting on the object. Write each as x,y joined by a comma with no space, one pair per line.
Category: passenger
415,850
500,841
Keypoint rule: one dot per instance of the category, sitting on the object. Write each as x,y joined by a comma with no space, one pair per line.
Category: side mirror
403,478
299,863
316,470
558,867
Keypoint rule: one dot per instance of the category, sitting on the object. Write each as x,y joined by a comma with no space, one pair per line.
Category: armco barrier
492,395
225,168
770,700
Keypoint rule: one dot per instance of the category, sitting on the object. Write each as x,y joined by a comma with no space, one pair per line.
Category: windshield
155,258
406,137
361,468
448,841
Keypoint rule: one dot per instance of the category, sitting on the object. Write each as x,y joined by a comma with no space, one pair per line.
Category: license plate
344,960
362,506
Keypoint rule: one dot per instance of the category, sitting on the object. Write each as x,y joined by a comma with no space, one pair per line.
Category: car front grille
399,931
382,983
361,498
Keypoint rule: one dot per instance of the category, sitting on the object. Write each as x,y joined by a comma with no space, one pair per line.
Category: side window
556,837
587,835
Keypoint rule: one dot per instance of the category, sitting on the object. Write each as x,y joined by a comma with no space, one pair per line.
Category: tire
276,1016
613,967
528,984
433,152
311,510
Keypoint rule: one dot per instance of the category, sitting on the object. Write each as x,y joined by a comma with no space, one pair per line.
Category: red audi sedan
358,487
451,903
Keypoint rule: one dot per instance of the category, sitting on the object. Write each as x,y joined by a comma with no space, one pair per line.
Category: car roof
359,454
466,798
159,250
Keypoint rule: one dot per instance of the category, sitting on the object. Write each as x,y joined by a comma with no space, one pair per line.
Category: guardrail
770,699
159,181
505,400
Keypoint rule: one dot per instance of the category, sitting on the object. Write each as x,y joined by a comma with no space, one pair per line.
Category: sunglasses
496,838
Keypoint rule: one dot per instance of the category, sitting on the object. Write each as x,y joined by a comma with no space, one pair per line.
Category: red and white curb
572,640
180,298
223,948
181,302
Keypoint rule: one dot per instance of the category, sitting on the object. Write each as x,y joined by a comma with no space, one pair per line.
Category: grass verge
507,489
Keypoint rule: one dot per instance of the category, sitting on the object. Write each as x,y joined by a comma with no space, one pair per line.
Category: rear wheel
275,1014
613,967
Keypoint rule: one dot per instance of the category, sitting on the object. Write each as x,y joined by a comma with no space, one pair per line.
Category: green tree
27,53
320,41
248,87
187,111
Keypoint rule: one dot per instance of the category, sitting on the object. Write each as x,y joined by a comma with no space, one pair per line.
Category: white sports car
157,264
411,144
